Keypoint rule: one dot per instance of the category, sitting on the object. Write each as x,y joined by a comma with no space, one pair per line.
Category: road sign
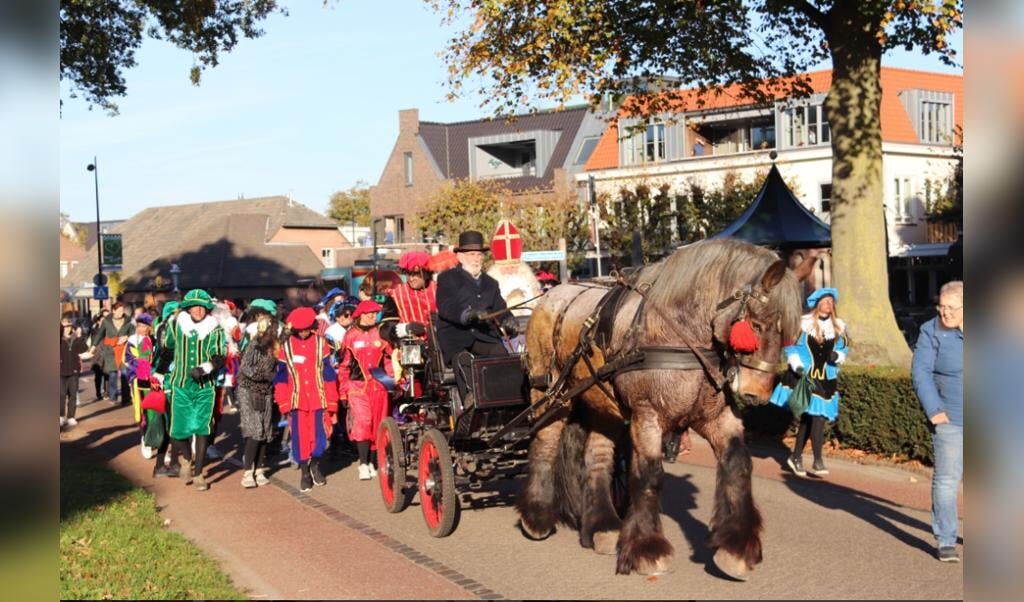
100,292
100,279
544,255
112,255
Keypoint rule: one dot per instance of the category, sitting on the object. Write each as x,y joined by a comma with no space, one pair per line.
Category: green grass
113,543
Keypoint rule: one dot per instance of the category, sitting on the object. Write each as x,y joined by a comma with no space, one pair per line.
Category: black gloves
799,370
416,329
832,359
197,373
470,315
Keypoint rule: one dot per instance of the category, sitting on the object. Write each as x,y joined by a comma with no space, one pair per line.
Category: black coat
70,363
457,292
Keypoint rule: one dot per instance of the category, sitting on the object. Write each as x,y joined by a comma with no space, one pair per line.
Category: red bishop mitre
506,244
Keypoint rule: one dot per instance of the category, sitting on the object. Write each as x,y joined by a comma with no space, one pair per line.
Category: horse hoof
653,566
534,534
731,565
606,542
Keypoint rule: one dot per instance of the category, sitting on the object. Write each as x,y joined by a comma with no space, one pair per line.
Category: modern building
261,247
921,119
535,152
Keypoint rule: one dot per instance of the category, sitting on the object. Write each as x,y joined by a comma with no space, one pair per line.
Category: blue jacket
938,371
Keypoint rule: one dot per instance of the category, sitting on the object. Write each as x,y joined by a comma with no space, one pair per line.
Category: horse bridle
744,296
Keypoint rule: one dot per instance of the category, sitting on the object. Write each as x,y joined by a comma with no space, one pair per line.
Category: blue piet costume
820,349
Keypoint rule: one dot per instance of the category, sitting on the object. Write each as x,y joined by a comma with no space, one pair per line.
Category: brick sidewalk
272,545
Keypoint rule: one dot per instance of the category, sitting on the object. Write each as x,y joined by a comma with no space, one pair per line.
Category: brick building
540,151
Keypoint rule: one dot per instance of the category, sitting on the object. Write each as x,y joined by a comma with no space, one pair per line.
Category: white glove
794,361
841,357
207,367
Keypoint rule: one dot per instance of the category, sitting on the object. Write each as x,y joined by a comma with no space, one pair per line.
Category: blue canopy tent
777,219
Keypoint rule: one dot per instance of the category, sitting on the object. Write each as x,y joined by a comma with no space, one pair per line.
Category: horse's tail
570,470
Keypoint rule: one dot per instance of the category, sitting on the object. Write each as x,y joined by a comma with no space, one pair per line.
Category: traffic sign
100,279
100,292
556,255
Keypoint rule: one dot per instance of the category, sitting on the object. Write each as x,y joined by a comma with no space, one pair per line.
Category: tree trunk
860,253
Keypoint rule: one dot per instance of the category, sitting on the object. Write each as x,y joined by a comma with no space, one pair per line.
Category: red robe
413,305
362,351
305,389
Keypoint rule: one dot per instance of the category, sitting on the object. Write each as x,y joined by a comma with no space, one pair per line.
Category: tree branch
813,13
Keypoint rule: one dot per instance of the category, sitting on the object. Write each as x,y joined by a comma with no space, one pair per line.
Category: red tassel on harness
742,337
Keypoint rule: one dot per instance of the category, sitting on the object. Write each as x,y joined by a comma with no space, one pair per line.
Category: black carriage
448,443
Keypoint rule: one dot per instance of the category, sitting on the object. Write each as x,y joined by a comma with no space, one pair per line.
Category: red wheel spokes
429,489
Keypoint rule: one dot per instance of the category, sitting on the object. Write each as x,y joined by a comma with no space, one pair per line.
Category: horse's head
753,325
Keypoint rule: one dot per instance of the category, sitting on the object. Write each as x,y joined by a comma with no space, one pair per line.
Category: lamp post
93,167
175,272
596,214
373,228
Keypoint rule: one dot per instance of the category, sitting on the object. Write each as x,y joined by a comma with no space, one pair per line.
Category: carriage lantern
412,354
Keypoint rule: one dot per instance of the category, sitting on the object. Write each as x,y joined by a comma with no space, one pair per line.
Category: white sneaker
364,472
72,422
373,470
62,421
261,477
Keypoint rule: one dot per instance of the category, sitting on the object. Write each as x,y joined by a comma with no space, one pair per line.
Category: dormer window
931,113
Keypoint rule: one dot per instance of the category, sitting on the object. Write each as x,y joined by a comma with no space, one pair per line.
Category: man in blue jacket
938,371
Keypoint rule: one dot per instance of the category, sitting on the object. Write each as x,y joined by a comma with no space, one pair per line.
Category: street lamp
99,242
175,271
596,215
373,228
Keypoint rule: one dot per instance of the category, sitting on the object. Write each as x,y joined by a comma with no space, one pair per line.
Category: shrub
879,413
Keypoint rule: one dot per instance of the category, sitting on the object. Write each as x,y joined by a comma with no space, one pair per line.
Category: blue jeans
948,443
113,380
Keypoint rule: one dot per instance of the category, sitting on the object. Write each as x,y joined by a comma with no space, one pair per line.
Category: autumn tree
541,217
99,38
352,205
706,211
523,52
637,209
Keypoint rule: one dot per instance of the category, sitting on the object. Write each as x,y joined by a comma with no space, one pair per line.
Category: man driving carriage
467,301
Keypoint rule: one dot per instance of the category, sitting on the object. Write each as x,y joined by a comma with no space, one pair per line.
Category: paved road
863,533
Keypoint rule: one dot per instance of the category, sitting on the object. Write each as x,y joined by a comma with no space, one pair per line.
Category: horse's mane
688,285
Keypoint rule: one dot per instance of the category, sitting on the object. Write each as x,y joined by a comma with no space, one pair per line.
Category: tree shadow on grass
86,483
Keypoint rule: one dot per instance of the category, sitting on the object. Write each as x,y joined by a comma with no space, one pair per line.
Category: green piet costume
195,345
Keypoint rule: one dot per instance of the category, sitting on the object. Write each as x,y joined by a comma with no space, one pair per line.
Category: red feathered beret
301,318
366,307
410,261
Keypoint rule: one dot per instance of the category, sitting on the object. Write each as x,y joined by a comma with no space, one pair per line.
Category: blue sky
308,109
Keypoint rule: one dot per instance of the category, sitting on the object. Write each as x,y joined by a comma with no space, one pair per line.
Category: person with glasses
938,372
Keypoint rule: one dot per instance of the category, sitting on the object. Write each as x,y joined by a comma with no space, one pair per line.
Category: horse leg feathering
599,522
536,502
643,547
736,525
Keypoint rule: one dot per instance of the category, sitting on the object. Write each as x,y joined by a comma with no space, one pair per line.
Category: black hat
471,240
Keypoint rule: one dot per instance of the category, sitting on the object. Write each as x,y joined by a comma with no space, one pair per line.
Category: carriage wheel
438,498
391,472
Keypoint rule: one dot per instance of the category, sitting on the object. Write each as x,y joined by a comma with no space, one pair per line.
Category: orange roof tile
896,126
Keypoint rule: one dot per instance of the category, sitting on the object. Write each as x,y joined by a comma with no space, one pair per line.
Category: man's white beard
474,271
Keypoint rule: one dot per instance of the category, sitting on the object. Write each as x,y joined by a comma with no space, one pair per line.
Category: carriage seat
446,373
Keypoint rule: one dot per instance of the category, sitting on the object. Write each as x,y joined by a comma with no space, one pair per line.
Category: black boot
161,470
314,472
306,480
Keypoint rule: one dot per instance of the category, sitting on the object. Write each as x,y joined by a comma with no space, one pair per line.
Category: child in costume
305,389
819,350
365,353
199,348
138,364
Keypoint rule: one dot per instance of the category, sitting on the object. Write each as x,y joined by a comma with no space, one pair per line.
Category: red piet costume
363,351
305,389
415,305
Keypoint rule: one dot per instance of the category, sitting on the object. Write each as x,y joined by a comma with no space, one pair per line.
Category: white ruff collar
827,331
202,328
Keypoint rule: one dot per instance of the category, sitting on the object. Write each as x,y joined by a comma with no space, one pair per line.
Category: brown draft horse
690,299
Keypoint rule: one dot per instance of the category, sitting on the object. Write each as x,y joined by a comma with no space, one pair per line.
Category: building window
655,143
806,125
647,146
394,229
408,169
936,123
826,198
904,197
63,269
327,257
586,149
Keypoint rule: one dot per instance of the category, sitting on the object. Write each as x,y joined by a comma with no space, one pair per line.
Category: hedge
879,412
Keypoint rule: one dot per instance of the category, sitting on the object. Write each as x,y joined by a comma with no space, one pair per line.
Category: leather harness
596,334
